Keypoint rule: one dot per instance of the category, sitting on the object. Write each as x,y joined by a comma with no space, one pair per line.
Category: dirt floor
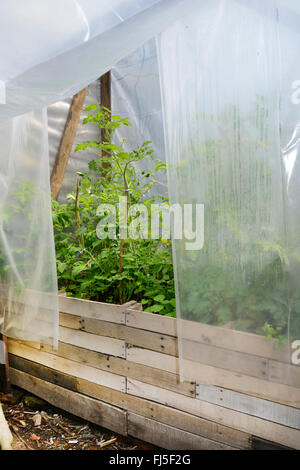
36,425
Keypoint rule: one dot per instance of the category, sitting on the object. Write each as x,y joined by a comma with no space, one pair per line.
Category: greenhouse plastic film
27,257
231,110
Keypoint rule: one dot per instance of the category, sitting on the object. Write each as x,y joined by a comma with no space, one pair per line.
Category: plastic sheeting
49,51
78,161
231,110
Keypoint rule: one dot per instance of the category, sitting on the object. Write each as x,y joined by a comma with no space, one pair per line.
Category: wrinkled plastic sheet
230,88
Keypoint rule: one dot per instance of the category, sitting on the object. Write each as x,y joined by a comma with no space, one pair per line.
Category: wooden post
105,89
66,143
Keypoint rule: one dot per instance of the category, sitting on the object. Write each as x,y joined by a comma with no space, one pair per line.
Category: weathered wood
123,367
151,322
231,418
235,361
145,339
211,375
265,409
115,347
146,408
88,309
169,437
166,415
66,143
67,366
85,407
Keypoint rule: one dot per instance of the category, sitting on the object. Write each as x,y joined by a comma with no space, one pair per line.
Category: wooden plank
154,359
85,407
265,409
105,93
231,418
149,409
43,372
66,142
145,339
115,347
169,437
125,368
151,322
88,309
220,377
235,361
222,337
67,366
234,340
70,321
166,415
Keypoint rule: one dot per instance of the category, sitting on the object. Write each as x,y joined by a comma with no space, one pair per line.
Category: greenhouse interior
150,224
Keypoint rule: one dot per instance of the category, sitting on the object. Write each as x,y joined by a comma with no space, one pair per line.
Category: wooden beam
66,143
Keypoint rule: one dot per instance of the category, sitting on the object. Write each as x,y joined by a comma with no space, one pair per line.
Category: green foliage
112,270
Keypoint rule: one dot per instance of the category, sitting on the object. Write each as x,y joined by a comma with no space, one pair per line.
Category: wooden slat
220,377
43,372
85,407
67,366
88,309
66,143
284,373
151,322
146,339
125,368
265,409
146,408
243,422
234,340
115,347
169,437
70,321
166,415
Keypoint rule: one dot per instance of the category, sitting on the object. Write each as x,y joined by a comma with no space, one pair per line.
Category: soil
36,425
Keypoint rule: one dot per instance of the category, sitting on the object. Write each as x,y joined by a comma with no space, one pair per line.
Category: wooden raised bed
118,367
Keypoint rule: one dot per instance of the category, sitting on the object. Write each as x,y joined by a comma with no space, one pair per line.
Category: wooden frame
123,358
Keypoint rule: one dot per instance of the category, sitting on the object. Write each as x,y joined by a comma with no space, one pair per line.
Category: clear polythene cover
49,51
231,98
